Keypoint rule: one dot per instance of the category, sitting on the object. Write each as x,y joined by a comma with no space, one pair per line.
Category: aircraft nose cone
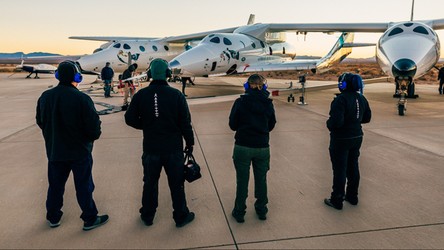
175,67
404,68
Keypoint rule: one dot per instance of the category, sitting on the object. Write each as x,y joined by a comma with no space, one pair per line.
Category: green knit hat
158,69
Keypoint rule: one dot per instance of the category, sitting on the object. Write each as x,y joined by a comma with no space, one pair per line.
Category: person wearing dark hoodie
252,117
348,111
162,113
70,125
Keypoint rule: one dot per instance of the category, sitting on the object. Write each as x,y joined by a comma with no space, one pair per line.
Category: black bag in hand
191,168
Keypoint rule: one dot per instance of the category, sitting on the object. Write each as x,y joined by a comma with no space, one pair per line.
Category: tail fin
338,53
251,19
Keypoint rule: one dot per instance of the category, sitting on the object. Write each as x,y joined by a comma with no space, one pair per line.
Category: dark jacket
162,113
348,110
107,73
69,123
441,75
252,117
128,73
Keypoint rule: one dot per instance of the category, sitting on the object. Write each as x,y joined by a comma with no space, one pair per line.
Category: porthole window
155,48
395,31
166,48
227,41
126,46
117,45
262,44
142,48
215,39
421,30
253,45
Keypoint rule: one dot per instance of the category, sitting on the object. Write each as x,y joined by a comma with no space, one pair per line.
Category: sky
45,25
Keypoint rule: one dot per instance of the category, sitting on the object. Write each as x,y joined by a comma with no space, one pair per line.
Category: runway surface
401,192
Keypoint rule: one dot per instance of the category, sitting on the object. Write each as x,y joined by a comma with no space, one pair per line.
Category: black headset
168,72
77,73
264,82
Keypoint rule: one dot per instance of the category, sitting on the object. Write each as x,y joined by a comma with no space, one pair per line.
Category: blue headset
77,75
264,82
342,83
354,80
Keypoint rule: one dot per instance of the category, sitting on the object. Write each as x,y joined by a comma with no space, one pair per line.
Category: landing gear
405,88
302,80
401,109
290,98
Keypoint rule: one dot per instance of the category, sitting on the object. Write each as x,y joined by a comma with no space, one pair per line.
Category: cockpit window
215,39
155,48
227,41
126,46
421,30
408,24
117,46
142,48
395,31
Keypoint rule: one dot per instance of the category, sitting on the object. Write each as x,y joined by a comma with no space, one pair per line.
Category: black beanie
66,72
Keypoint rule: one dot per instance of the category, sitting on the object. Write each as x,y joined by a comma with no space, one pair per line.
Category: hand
188,149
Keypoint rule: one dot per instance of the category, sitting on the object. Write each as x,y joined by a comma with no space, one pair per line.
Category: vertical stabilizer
251,19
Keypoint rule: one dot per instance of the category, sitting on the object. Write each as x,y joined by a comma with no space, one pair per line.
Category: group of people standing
70,125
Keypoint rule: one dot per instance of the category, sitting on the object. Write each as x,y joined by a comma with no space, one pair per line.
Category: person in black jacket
107,75
70,125
252,117
129,85
348,111
441,81
162,113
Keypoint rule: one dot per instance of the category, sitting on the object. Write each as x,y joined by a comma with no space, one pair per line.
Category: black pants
58,173
344,154
441,90
152,166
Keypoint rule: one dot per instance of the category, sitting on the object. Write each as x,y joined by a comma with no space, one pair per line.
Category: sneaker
148,221
100,220
54,224
329,202
352,200
239,217
188,219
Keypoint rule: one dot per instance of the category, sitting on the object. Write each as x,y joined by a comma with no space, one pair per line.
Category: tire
401,109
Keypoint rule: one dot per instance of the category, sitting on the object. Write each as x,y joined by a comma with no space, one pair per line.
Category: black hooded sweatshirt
69,123
252,117
348,110
162,113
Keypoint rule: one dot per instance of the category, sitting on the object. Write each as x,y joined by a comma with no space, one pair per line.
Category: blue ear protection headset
168,72
77,75
342,83
264,82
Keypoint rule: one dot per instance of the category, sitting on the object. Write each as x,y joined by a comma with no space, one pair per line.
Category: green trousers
259,158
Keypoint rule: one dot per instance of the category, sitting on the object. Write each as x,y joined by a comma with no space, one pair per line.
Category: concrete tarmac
401,193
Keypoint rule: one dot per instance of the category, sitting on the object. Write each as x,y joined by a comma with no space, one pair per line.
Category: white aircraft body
406,51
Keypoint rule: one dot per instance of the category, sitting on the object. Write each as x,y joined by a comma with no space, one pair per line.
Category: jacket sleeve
38,115
132,115
91,121
234,116
185,121
337,112
272,120
367,116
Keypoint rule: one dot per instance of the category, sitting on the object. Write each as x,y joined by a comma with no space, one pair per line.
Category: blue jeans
174,168
58,173
107,88
260,159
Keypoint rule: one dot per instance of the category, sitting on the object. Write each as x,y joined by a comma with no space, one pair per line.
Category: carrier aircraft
405,51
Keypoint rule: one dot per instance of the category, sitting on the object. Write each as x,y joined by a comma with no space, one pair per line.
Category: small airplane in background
36,69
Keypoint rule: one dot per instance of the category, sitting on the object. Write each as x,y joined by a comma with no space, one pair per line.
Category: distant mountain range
21,54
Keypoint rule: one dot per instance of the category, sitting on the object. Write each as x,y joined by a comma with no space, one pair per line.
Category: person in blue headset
70,125
253,118
162,113
348,111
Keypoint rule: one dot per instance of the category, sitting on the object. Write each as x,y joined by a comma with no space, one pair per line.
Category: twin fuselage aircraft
406,51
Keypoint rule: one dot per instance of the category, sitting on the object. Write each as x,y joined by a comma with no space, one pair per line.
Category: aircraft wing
197,36
111,38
